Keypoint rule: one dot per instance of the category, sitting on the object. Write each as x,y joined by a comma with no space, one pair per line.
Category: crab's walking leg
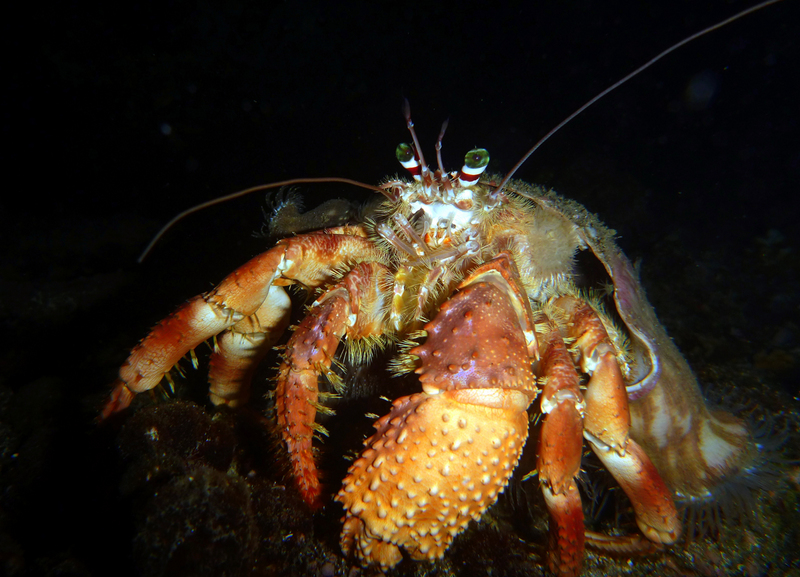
355,307
304,259
560,448
607,426
240,348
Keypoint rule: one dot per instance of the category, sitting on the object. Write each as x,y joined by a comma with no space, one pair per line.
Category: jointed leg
607,426
355,307
305,260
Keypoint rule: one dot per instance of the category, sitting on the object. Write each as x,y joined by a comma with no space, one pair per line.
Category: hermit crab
476,283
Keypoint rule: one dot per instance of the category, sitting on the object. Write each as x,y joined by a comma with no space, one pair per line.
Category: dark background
118,116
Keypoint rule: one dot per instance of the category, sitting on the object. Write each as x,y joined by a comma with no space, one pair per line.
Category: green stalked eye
476,158
404,152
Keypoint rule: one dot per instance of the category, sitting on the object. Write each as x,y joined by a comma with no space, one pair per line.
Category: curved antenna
244,192
410,124
622,81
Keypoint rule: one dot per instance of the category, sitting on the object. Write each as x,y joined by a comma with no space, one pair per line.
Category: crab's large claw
441,457
249,308
436,462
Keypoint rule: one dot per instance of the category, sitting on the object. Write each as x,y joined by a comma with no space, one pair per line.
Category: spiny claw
441,457
435,463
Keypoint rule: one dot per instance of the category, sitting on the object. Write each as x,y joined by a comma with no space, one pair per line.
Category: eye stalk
408,158
439,185
475,162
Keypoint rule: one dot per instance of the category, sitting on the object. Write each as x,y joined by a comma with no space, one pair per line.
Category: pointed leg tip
119,400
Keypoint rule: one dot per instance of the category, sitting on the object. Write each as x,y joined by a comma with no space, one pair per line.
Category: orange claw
440,458
435,463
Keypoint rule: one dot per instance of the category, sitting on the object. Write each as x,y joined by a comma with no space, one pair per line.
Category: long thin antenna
407,113
244,192
622,81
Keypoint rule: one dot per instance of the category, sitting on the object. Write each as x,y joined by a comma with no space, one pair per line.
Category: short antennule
439,145
417,148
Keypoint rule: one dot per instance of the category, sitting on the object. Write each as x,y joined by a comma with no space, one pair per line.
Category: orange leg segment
241,347
350,307
560,448
302,259
607,426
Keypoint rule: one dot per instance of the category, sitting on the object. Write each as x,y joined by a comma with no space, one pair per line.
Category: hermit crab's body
478,285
